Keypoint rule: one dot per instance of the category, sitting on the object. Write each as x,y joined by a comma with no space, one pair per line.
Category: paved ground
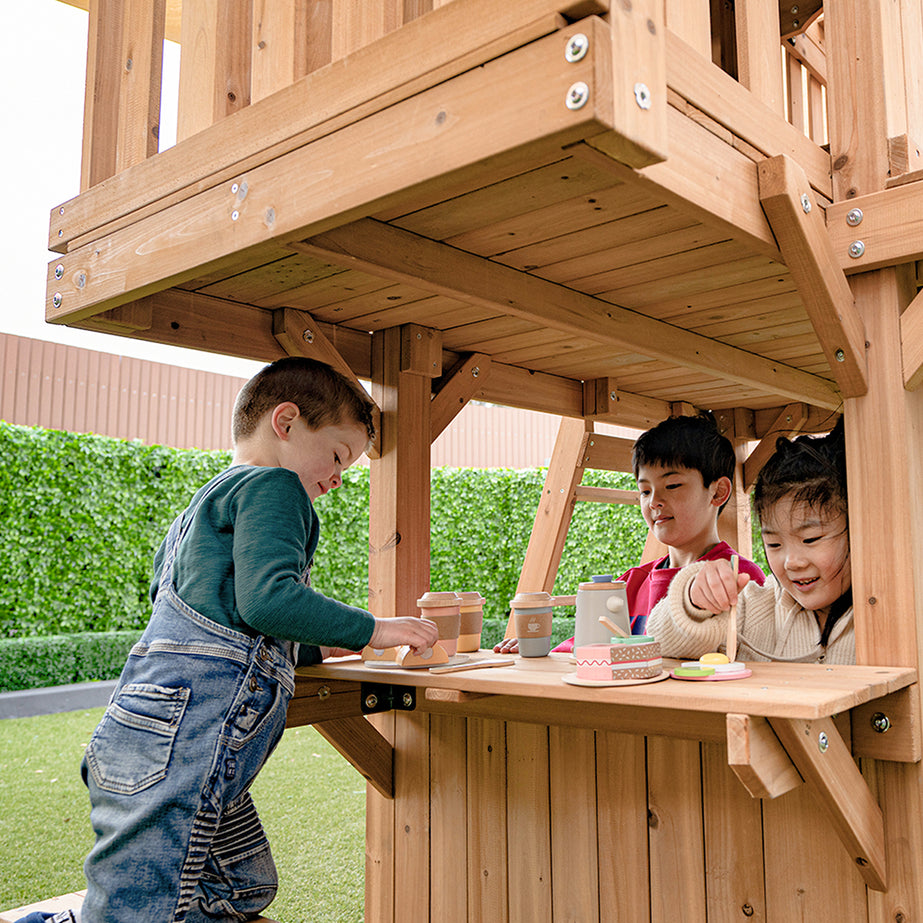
54,699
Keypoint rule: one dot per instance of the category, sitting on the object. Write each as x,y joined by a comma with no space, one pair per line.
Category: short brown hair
323,395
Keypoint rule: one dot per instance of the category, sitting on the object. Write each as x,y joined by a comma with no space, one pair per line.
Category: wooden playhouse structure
605,209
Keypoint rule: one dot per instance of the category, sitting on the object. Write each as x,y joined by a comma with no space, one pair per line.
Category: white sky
43,67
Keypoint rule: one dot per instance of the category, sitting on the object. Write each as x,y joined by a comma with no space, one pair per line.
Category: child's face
678,507
808,551
319,456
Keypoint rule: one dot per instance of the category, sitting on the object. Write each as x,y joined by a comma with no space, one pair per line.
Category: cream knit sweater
771,625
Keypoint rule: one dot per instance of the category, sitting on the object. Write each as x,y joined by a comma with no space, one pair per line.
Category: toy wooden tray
454,660
712,677
573,680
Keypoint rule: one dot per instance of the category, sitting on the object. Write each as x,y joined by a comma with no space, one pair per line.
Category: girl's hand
714,587
507,646
421,634
326,652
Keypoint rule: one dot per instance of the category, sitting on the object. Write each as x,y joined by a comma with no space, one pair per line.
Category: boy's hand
714,587
507,646
421,634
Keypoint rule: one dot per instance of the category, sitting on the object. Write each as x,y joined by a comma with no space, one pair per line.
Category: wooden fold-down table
510,795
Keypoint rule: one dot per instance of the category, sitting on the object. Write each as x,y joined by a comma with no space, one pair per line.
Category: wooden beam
823,760
758,60
791,420
799,228
912,343
364,747
397,254
889,728
757,757
890,228
607,495
459,386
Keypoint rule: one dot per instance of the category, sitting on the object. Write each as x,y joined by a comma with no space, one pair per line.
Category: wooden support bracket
758,759
825,763
912,343
889,728
790,421
299,335
798,225
458,387
364,747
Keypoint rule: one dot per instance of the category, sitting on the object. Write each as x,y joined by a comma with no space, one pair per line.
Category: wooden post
759,58
866,105
397,847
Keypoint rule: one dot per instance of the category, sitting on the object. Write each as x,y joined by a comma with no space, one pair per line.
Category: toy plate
392,665
714,677
573,680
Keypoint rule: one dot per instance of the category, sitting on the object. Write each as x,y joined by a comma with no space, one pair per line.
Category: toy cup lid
471,598
596,584
531,601
438,600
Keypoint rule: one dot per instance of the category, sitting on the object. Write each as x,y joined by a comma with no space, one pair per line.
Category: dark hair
687,442
809,469
324,396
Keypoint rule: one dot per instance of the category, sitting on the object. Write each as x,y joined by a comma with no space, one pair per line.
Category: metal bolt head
475,371
854,217
643,95
822,742
56,299
371,700
407,699
59,271
234,188
270,216
856,249
323,692
307,336
840,355
880,722
577,46
235,215
577,95
794,9
81,279
805,202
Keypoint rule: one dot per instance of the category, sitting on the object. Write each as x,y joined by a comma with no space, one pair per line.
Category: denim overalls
196,713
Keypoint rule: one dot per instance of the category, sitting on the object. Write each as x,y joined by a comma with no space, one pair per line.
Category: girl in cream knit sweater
803,612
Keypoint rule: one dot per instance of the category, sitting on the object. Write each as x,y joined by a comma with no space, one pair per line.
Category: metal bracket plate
381,697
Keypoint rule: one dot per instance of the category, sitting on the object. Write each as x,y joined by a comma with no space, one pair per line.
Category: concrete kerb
28,703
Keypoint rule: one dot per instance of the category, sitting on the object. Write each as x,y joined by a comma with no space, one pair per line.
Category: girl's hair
809,469
687,442
324,397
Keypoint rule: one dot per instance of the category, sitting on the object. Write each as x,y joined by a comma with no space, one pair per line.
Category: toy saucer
392,665
573,680
698,675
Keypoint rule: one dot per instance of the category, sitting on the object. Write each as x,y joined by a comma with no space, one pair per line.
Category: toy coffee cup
444,610
532,620
472,620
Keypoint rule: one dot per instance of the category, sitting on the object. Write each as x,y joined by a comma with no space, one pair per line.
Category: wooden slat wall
83,391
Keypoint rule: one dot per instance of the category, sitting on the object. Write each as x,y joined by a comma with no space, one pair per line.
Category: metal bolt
577,95
613,396
56,299
308,336
61,210
642,95
371,700
407,699
794,9
129,64
476,371
880,722
235,215
805,202
840,355
795,23
58,271
854,217
81,279
234,188
856,249
822,742
577,47
323,692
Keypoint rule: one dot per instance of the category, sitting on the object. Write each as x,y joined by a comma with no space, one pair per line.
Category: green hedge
56,660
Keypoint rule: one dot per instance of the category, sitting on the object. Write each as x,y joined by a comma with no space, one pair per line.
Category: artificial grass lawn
311,802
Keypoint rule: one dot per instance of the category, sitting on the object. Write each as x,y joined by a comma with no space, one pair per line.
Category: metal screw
129,64
881,722
613,396
856,249
58,271
323,692
642,95
577,95
61,210
234,188
577,47
840,355
235,215
308,336
371,700
56,299
805,202
794,9
822,742
854,217
476,371
81,279
270,216
407,699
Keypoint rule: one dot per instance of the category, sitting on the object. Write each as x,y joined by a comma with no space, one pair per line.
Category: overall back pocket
131,748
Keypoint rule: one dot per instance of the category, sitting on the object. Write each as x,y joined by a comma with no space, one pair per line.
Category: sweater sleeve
275,532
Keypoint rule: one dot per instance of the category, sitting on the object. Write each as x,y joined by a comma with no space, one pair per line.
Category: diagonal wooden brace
912,343
798,224
825,763
459,386
758,759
